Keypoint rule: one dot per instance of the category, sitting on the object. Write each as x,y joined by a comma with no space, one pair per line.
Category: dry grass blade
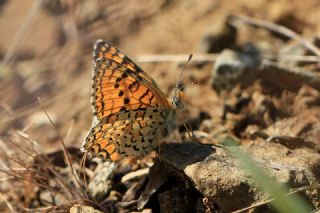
3,197
279,29
21,148
5,152
66,154
59,179
42,172
33,181
175,58
36,148
302,58
69,131
47,165
11,173
83,167
36,177
151,58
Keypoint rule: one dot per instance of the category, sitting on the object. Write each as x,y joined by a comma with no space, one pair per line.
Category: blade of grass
281,202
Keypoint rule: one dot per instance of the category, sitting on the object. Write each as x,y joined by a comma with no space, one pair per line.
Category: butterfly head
178,96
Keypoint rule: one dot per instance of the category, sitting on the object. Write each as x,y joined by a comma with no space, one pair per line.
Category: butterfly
131,115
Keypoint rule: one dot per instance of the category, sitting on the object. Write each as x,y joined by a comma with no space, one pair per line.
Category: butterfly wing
120,85
130,110
103,49
127,138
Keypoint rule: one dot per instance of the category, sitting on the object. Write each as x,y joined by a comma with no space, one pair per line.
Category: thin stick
302,58
20,147
174,57
16,174
82,167
69,131
47,164
160,58
11,173
279,29
59,179
19,176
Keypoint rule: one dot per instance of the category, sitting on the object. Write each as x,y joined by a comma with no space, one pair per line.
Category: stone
219,177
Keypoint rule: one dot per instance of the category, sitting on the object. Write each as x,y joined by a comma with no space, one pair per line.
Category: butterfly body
131,114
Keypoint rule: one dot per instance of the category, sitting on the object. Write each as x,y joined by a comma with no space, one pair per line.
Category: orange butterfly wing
130,110
120,85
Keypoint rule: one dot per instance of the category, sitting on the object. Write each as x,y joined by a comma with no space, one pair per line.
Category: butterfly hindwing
125,138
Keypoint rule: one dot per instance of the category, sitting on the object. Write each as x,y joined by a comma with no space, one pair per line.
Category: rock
83,209
232,68
173,193
101,184
218,176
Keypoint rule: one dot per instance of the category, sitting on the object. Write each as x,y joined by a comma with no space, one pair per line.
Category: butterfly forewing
117,86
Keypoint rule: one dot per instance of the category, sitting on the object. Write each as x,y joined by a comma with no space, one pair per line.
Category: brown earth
45,52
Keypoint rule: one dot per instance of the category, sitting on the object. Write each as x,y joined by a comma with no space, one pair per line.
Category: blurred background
46,51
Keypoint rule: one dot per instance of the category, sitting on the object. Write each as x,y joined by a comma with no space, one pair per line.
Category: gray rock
101,183
83,209
232,68
218,176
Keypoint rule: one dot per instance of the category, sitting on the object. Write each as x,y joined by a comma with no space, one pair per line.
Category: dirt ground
46,56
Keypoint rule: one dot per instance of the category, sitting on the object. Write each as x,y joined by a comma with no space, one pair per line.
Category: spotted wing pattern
119,84
128,137
131,113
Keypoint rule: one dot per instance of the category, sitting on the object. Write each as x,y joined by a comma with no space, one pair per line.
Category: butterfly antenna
176,101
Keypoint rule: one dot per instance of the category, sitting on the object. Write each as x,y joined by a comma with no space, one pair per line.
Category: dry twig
279,29
150,58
